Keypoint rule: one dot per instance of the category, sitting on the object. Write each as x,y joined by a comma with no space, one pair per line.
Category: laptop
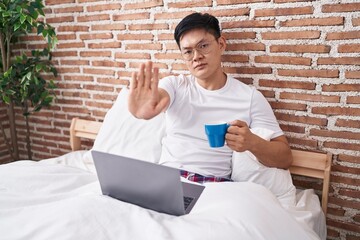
145,184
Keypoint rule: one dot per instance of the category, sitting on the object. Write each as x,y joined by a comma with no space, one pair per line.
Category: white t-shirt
185,145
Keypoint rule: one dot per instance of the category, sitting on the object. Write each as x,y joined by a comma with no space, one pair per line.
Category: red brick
172,15
303,142
349,170
235,58
62,70
109,27
99,71
95,36
287,84
356,22
230,2
132,36
57,2
347,123
353,99
343,87
239,35
98,104
105,45
344,225
345,146
339,61
103,7
247,81
70,45
105,63
143,46
350,7
64,53
53,20
335,134
288,106
132,55
98,87
301,119
348,158
114,81
245,47
93,17
249,24
352,74
147,4
283,11
283,60
335,211
69,9
349,48
343,35
77,78
330,111
310,97
301,48
292,128
230,12
66,37
149,26
309,73
344,202
95,53
167,55
330,21
131,16
291,35
248,70
189,4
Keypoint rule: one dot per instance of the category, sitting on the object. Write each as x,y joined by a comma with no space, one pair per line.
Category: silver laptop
145,184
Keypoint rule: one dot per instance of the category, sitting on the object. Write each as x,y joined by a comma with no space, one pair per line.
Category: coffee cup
215,132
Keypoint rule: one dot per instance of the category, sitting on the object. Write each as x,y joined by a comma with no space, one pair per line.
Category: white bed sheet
60,198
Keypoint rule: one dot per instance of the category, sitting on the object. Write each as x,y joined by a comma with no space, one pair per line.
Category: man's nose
197,54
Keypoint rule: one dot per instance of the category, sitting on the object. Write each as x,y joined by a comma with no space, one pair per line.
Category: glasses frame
198,49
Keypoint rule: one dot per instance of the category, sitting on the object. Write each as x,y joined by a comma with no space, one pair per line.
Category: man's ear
222,43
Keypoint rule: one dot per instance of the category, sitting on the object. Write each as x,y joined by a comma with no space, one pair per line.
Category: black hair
197,21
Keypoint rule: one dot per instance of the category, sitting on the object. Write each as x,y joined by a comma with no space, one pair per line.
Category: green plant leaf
17,26
6,99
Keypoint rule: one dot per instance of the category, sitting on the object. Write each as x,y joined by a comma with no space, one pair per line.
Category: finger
148,74
140,76
155,80
238,123
133,82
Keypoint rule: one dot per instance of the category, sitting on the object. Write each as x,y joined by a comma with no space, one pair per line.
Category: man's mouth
199,65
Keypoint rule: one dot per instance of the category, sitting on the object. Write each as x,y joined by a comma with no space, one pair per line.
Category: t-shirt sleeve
262,115
169,85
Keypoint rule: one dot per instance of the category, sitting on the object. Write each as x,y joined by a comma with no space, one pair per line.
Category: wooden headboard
309,164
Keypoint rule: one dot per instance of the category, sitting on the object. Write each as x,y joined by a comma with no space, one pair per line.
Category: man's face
202,52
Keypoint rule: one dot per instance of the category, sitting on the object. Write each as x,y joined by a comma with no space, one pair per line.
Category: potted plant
21,78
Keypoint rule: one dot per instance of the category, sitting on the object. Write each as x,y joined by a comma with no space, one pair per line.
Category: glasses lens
202,48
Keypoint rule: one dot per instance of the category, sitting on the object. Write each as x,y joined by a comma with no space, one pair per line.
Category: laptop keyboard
187,201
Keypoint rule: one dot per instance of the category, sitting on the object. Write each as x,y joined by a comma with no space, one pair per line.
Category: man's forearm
274,153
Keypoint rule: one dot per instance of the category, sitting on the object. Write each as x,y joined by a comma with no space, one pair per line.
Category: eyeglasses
202,48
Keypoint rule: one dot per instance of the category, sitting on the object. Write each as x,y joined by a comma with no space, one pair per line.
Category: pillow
246,167
123,134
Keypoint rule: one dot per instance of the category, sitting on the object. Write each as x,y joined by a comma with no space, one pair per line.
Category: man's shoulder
177,79
238,85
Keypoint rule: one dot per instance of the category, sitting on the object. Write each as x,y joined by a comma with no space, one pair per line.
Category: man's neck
214,82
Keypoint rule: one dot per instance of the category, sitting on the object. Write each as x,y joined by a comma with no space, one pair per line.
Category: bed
60,198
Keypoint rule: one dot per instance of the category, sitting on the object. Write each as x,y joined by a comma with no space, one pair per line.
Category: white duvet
46,200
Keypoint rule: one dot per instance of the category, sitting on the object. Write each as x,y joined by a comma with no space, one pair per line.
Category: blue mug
215,133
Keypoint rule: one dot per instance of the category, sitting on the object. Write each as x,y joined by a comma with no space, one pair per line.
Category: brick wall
302,54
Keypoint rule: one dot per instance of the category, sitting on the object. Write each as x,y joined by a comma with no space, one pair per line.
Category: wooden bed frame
309,164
